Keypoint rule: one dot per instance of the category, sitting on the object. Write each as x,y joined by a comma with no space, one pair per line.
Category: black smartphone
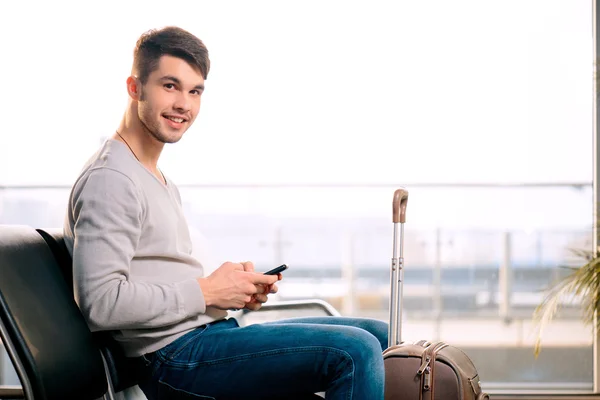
277,270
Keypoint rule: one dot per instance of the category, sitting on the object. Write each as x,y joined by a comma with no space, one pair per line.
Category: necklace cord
136,157
132,152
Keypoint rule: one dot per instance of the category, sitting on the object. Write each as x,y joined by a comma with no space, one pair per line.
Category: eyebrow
178,82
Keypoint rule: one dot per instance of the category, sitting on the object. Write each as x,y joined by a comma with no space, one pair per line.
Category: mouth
175,119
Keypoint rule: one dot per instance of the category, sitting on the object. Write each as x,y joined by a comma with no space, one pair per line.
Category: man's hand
231,286
259,298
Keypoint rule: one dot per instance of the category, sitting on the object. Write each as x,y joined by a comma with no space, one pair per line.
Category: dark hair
173,41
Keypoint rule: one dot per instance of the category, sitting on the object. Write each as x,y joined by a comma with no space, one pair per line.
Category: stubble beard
152,128
155,132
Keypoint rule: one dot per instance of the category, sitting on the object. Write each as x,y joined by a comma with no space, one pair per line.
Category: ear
134,88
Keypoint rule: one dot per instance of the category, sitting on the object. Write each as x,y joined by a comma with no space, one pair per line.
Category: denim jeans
281,359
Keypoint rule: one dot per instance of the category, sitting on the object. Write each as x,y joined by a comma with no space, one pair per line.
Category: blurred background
314,113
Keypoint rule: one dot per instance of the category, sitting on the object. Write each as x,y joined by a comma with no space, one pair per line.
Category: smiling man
134,275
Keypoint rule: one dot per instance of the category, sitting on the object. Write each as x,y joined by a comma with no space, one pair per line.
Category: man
134,274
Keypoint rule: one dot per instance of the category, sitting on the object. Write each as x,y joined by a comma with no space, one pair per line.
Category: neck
144,147
142,144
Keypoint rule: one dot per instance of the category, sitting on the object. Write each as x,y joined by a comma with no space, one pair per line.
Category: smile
175,119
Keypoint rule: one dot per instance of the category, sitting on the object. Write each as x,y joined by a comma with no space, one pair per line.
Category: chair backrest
45,334
122,370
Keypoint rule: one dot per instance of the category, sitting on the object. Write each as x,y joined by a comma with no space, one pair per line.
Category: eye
169,86
195,92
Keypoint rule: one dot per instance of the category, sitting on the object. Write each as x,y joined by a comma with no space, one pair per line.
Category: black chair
121,369
45,334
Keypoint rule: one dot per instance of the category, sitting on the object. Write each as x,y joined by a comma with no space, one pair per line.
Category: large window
314,112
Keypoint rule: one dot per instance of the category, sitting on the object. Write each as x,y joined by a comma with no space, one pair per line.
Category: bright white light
314,91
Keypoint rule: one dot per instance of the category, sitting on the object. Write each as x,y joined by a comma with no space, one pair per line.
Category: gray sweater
133,272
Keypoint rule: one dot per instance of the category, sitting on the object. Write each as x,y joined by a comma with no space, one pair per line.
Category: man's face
170,100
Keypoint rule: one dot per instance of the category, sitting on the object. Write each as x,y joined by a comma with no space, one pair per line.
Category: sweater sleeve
108,214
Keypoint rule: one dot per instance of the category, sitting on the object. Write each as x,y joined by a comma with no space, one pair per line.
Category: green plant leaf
582,283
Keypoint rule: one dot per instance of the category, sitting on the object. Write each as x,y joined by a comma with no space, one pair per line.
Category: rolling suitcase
423,370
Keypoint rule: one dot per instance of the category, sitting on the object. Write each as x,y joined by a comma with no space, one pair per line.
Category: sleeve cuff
192,297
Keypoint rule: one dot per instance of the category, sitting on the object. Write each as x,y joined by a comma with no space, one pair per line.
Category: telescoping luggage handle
397,273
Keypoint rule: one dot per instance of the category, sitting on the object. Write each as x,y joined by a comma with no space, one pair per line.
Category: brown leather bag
430,371
423,370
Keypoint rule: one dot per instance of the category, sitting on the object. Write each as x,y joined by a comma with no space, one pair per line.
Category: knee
364,347
379,329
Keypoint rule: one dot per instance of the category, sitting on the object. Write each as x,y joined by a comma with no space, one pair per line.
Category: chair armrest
285,309
309,304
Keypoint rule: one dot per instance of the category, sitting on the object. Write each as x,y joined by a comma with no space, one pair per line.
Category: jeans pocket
166,391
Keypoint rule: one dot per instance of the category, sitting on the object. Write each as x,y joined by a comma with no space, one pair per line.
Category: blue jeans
279,359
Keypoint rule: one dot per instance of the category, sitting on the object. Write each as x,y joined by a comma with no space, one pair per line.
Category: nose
182,102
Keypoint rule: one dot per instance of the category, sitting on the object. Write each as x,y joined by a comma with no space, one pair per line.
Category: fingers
253,306
246,288
260,298
248,266
249,285
232,265
237,305
265,289
261,279
273,288
256,302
